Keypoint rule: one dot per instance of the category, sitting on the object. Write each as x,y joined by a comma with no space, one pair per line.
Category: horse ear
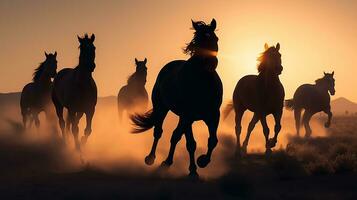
194,25
325,73
266,46
55,54
136,61
46,54
92,38
79,39
333,72
277,46
145,61
213,24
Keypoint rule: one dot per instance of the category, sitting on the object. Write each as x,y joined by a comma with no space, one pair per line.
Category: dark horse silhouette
262,94
76,90
36,96
191,89
313,99
133,96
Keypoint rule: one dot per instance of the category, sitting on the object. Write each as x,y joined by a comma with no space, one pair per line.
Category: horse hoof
268,152
271,143
166,164
203,161
149,160
327,125
193,175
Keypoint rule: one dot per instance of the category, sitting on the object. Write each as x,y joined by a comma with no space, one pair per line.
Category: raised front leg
277,128
329,115
212,124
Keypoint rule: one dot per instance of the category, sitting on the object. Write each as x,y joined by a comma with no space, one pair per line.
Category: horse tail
227,110
143,122
289,104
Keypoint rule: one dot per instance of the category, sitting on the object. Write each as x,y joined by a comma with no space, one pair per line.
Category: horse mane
261,66
191,46
319,81
38,72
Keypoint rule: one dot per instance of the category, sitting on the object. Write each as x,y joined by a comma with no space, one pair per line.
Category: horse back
309,97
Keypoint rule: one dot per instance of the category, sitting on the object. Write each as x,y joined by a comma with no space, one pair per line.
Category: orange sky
314,36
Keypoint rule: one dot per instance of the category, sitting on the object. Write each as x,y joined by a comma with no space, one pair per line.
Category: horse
312,98
191,89
75,89
263,94
36,96
133,97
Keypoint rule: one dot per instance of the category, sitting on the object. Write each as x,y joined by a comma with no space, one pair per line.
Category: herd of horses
191,89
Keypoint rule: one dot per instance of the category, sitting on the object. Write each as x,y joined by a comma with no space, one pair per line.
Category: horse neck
268,79
322,87
44,81
207,63
137,80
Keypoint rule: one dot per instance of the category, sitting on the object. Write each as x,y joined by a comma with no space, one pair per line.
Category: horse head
330,82
87,52
50,64
270,60
141,65
205,41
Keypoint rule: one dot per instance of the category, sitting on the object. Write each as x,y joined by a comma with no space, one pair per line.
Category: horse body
36,96
133,97
191,89
312,98
262,94
75,89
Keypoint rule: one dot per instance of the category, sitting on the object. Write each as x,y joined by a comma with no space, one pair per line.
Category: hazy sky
315,36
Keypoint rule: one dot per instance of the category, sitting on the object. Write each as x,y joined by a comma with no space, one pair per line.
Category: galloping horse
192,90
36,96
262,94
133,96
76,90
312,98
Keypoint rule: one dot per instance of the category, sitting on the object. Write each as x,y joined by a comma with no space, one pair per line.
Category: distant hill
341,105
11,100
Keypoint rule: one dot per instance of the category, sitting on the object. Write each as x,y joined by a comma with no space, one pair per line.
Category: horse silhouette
133,97
75,89
262,94
192,90
312,98
36,96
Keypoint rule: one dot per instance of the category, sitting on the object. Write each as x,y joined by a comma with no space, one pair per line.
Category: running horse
262,94
192,90
75,89
133,97
313,98
36,96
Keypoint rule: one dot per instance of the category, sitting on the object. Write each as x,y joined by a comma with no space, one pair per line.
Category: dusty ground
36,165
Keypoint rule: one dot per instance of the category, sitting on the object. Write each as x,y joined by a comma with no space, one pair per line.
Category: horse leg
59,112
297,116
175,138
329,115
277,128
159,119
212,123
238,129
266,130
306,119
37,121
191,148
88,129
251,126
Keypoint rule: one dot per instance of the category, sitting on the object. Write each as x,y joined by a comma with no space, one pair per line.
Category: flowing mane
38,72
191,46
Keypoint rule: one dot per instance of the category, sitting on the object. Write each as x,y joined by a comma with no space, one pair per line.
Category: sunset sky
315,36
